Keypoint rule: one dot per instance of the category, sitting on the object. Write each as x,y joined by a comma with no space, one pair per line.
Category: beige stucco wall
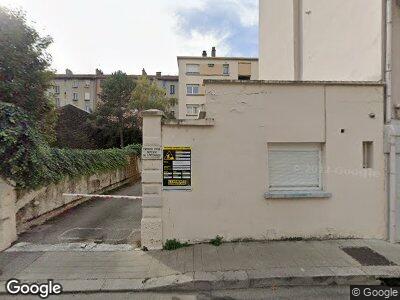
321,39
229,164
206,73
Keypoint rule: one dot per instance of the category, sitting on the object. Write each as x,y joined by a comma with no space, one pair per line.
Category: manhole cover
367,257
83,234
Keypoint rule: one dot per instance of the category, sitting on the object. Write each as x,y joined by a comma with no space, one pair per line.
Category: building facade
321,40
331,40
83,90
310,150
272,160
193,70
79,90
339,40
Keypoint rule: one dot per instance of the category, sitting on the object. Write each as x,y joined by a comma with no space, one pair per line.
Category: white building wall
276,44
321,40
230,167
396,54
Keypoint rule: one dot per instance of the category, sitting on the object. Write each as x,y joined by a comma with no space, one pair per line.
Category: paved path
100,220
203,267
294,292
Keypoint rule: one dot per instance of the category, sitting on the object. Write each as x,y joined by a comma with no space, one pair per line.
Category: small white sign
151,152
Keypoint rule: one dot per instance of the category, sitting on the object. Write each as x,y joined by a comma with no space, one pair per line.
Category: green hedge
30,162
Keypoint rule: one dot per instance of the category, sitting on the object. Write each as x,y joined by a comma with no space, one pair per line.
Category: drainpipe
392,132
388,67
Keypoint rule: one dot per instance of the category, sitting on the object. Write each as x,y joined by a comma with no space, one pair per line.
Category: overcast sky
129,35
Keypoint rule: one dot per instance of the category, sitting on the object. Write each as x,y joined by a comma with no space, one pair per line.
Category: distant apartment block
194,69
83,90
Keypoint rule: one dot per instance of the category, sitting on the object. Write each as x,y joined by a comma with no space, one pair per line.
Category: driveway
99,220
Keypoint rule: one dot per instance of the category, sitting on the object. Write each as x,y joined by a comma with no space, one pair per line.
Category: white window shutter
294,168
192,68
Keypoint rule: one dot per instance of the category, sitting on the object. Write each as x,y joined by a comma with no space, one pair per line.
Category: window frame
85,98
227,68
192,85
300,147
57,89
172,89
193,73
75,84
75,98
192,105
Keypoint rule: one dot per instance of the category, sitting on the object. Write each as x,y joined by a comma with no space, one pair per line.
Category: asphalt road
101,220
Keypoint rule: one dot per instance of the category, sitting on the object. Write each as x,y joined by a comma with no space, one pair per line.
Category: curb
207,281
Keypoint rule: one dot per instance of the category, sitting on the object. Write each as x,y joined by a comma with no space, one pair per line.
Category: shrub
27,159
174,244
217,241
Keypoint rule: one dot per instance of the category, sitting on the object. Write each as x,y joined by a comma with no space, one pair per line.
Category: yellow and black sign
177,168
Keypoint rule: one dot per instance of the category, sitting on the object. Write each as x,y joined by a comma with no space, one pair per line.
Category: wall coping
152,112
189,122
293,82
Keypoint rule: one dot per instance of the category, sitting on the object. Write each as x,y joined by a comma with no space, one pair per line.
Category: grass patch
217,241
174,244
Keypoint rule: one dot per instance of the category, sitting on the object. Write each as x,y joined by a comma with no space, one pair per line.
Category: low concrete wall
22,210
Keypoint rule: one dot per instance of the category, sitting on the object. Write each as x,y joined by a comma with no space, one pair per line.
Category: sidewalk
202,267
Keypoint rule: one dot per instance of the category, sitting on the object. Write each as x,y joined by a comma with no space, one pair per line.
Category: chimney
144,72
204,54
158,74
68,72
213,52
99,72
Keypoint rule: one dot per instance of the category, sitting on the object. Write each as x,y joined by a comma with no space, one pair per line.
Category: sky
129,35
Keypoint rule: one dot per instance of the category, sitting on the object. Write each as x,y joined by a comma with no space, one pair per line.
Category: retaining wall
20,210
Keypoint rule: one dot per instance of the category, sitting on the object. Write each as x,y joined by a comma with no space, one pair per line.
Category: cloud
230,25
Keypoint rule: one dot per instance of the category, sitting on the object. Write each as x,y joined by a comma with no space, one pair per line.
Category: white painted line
70,247
104,196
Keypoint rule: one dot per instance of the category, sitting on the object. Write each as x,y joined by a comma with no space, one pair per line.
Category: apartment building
331,40
193,70
83,90
80,90
341,41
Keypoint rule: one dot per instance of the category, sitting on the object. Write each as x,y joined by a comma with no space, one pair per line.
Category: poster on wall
177,168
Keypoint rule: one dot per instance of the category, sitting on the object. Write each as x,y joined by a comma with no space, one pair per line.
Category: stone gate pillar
151,226
8,226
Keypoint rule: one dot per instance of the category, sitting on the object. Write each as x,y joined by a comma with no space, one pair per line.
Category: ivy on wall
27,159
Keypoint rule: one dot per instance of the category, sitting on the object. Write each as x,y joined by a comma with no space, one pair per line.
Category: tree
147,95
114,116
24,70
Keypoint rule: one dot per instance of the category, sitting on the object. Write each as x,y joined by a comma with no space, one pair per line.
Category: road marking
70,247
104,196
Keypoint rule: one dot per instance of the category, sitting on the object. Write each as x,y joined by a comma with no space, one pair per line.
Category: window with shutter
192,68
294,166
